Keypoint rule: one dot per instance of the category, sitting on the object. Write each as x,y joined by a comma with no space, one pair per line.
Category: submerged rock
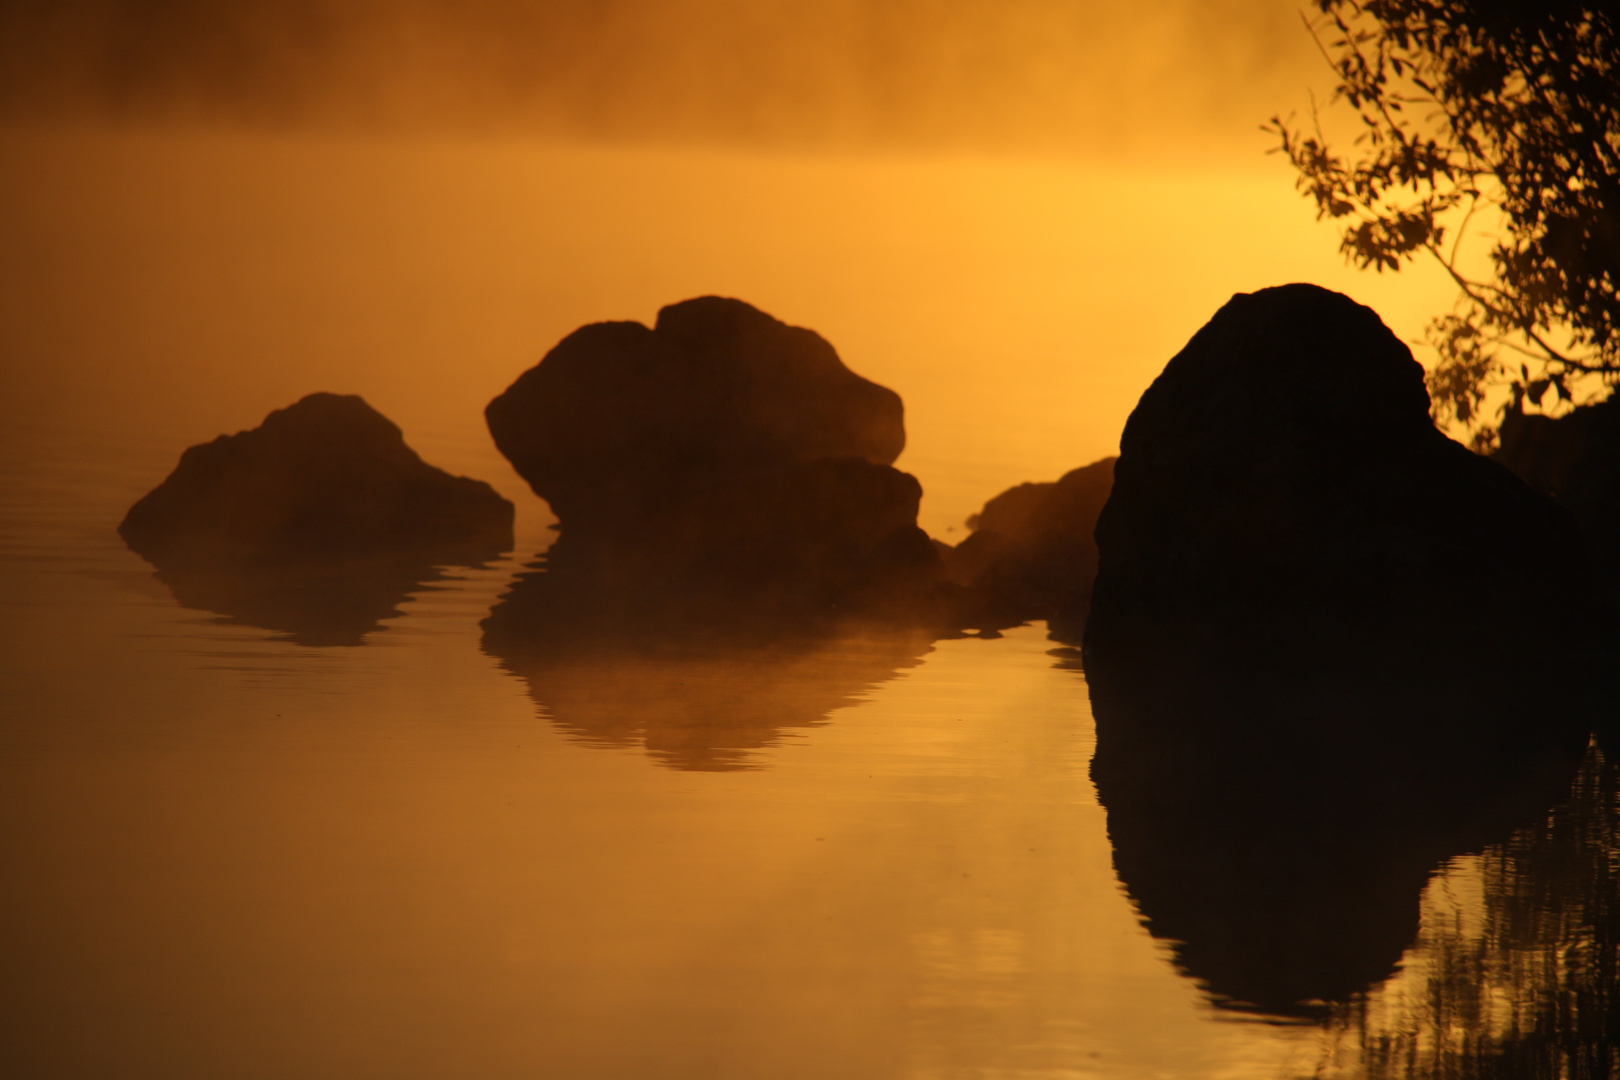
1282,477
1031,554
719,470
317,523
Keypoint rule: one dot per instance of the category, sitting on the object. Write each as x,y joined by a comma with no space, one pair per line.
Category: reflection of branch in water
1524,980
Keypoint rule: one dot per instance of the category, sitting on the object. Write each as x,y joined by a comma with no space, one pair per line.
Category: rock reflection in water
1276,816
698,691
314,603
1527,983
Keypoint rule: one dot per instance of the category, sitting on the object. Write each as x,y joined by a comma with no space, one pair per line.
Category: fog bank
1170,77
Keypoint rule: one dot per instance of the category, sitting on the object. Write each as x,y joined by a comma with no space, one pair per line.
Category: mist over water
1174,79
397,851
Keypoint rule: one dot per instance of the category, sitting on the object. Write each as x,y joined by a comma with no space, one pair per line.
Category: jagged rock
1031,554
1282,478
317,523
721,468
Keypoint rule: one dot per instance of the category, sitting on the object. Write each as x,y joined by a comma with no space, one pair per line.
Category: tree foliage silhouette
1497,119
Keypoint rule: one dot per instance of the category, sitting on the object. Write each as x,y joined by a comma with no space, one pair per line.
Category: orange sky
1012,214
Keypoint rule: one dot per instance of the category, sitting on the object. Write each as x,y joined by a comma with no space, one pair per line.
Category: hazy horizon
1164,79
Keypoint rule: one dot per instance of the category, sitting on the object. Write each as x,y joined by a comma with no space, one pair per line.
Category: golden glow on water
382,862
231,856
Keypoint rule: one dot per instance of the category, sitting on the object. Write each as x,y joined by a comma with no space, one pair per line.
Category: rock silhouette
1327,648
1282,477
798,551
316,523
720,472
619,419
1031,555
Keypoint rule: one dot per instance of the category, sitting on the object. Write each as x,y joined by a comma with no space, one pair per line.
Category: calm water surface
227,854
230,855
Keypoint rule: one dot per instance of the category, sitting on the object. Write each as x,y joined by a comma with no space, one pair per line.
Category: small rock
1031,554
316,523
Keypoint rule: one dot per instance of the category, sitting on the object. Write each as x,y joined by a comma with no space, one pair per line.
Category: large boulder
1328,648
316,523
619,418
1031,555
719,469
1282,480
